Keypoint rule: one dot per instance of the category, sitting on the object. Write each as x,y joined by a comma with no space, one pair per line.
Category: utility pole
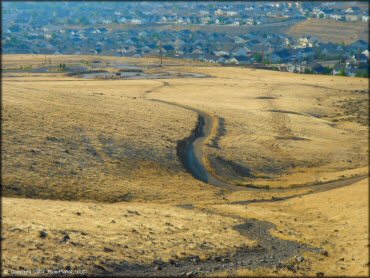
358,56
45,53
270,56
160,51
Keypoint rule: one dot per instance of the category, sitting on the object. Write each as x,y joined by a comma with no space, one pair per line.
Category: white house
238,40
231,13
205,20
232,61
304,42
221,53
335,17
351,17
242,52
219,12
135,21
366,53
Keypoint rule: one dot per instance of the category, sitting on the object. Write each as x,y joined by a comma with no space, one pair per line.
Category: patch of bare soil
357,110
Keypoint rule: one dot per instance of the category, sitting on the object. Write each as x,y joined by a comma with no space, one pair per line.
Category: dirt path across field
270,252
190,153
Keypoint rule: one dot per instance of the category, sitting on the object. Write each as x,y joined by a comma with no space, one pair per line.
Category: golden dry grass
261,134
82,144
136,232
330,30
72,139
12,61
336,221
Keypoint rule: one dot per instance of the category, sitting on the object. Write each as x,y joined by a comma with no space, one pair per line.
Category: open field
343,235
100,165
280,129
273,27
277,27
331,30
15,61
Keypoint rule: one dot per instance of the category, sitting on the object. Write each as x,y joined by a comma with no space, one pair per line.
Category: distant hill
331,31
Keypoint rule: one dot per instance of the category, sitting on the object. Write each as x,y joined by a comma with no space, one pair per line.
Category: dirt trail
270,252
191,155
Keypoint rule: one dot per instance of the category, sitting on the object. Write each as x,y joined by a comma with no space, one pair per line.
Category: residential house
339,69
351,17
282,56
305,54
317,68
303,42
241,52
219,53
146,49
296,67
103,30
238,40
233,61
358,45
329,49
221,60
365,53
287,42
168,48
336,17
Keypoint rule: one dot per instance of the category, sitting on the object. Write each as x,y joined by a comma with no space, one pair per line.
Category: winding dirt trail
270,252
191,155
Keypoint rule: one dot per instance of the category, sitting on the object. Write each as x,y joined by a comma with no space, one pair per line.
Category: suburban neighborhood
185,138
245,34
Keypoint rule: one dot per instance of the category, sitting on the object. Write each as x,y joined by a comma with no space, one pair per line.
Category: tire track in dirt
280,124
270,252
193,160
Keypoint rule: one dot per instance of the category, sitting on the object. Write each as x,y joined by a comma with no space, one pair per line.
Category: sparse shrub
62,67
342,72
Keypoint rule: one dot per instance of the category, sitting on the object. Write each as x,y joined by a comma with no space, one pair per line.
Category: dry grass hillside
331,31
92,169
329,220
279,129
85,140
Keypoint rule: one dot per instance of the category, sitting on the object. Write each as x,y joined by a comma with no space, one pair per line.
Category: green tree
257,57
83,20
62,67
362,73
